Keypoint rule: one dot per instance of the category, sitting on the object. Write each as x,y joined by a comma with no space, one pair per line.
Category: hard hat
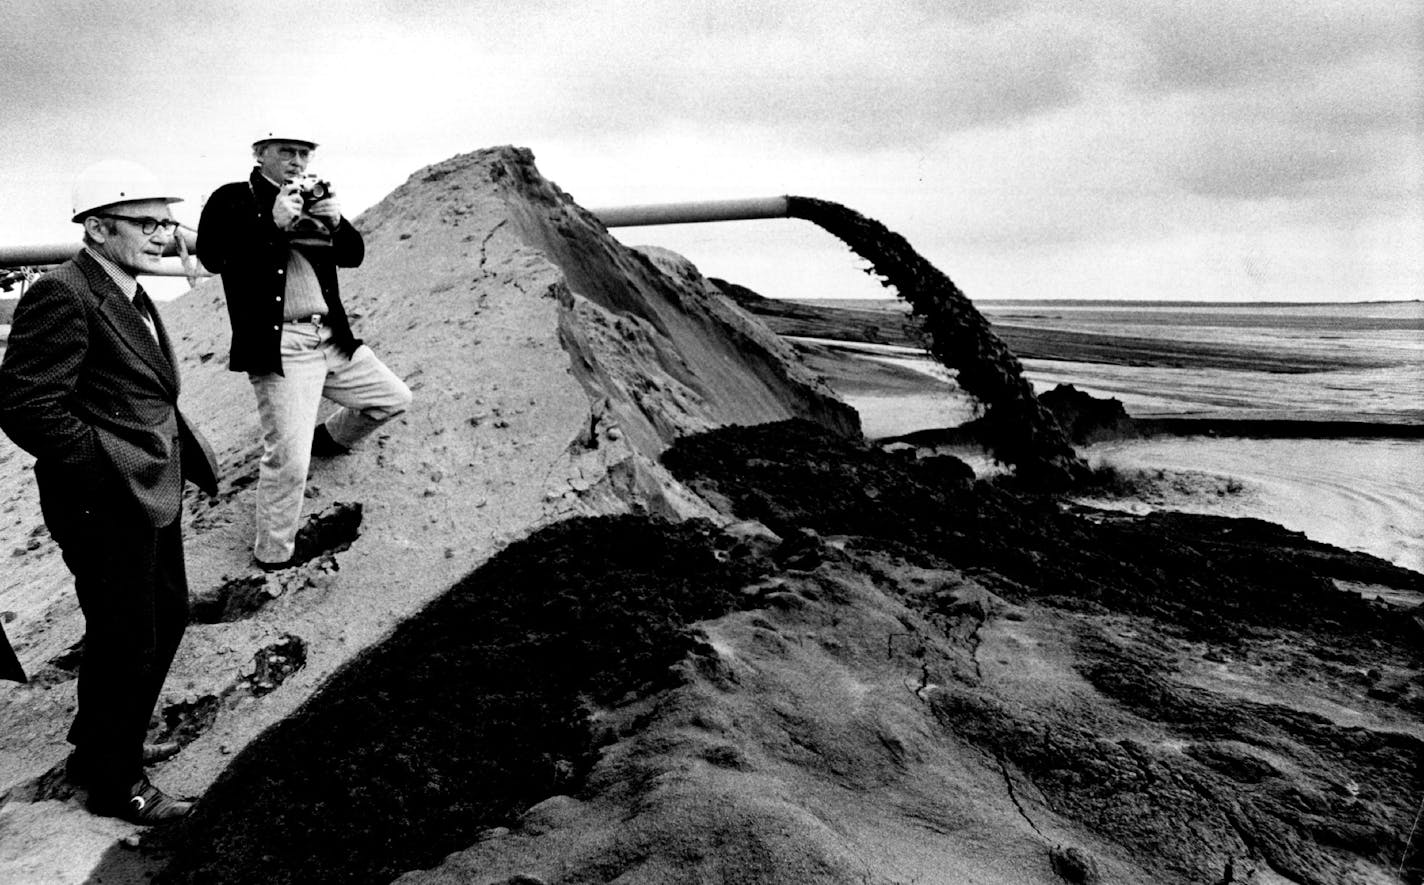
109,182
272,135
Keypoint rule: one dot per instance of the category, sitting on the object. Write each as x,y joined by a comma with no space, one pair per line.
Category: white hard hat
275,135
110,182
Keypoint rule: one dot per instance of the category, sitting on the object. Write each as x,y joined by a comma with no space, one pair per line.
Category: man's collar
122,278
258,180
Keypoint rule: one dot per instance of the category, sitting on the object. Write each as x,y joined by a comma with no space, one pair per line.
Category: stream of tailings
1015,428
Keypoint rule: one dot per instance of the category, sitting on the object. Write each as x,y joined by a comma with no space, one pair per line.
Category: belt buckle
315,320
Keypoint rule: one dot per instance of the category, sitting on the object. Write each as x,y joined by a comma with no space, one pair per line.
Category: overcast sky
1208,150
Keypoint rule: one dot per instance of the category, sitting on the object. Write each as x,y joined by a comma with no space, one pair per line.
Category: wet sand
1311,433
1360,494
882,639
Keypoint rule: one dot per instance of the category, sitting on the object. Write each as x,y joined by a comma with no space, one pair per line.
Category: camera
312,189
309,230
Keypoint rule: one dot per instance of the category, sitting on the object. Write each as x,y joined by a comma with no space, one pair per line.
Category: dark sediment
1084,417
1277,428
1215,575
1219,798
472,711
1017,430
1241,428
477,708
1243,587
1088,419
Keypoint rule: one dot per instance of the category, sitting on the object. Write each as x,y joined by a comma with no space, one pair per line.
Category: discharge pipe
1015,426
617,216
58,253
690,213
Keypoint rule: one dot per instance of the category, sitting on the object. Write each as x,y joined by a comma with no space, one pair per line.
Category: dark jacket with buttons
238,239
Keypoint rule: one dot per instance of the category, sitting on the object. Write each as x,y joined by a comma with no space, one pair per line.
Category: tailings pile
906,657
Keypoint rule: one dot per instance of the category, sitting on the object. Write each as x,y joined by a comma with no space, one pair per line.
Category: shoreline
1279,428
1242,428
1335,373
1331,453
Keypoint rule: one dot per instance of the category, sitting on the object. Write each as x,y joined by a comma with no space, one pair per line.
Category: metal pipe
166,269
37,256
58,253
688,213
613,216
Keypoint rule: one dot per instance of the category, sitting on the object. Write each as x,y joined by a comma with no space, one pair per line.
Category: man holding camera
277,239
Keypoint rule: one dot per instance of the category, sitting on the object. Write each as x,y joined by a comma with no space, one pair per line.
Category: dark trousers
133,590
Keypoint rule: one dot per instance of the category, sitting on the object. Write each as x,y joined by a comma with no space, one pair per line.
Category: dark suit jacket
86,390
238,239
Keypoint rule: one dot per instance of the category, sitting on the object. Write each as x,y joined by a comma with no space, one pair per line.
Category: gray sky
1207,150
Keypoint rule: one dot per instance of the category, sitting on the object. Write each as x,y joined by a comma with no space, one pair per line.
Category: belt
315,319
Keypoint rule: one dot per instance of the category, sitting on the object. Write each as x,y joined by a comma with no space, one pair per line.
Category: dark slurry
1084,417
1215,576
474,709
1244,588
468,714
1016,429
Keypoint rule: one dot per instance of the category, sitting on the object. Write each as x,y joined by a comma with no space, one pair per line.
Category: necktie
146,311
143,303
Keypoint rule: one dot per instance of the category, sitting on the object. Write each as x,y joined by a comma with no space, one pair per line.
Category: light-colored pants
369,395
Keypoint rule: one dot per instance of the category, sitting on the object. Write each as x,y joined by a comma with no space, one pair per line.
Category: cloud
1281,100
997,134
1251,149
1348,127
889,74
1221,44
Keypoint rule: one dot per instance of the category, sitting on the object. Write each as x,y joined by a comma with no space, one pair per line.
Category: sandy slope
915,679
800,749
550,365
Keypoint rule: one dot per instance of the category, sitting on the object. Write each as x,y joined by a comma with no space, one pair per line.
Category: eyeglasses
147,224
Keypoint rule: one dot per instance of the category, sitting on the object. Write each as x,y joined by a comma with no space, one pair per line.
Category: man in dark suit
89,386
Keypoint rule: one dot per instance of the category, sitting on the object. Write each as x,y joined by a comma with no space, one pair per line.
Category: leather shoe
323,446
142,804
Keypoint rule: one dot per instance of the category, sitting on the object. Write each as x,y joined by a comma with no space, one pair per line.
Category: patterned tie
146,311
143,303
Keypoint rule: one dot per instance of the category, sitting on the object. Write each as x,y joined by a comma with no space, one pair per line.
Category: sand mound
915,678
500,663
550,365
